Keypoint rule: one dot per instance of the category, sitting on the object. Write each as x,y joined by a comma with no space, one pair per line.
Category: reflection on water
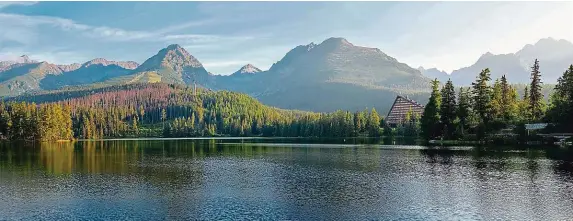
293,179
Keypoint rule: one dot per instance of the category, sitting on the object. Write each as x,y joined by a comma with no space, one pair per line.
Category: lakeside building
400,108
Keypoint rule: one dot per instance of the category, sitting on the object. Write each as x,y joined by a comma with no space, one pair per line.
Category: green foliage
509,102
141,110
489,111
561,103
482,97
448,109
464,111
430,121
536,103
24,121
373,123
524,110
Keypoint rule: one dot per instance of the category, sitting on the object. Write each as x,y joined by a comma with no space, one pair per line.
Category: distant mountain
25,75
94,71
130,65
554,57
334,74
70,67
24,59
170,65
434,73
336,60
248,69
21,78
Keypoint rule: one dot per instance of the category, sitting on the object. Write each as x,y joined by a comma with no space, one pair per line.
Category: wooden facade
401,106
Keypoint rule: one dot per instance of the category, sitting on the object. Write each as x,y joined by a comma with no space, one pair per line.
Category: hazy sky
226,35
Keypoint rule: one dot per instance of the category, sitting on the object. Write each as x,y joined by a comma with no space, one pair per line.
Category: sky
227,35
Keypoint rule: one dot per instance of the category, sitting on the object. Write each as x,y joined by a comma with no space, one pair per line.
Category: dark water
281,180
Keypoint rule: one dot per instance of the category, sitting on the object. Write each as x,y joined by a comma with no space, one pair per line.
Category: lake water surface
281,179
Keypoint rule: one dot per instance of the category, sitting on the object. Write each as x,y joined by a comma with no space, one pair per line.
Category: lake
281,179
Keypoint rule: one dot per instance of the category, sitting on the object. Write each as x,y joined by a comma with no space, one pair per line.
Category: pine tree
561,109
430,120
134,125
163,116
482,94
524,111
464,110
509,106
497,100
373,123
536,105
448,109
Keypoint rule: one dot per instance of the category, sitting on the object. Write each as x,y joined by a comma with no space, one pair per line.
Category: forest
169,110
486,109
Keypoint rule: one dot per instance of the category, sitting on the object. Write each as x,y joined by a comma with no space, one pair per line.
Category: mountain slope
334,74
170,65
554,57
24,75
96,70
248,69
24,59
434,73
507,64
336,60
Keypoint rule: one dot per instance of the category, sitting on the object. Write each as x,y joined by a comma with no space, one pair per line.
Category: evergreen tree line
162,110
487,108
28,121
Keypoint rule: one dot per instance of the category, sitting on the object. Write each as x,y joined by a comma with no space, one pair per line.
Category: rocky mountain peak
70,67
174,47
102,61
247,69
546,49
175,55
174,64
336,41
24,59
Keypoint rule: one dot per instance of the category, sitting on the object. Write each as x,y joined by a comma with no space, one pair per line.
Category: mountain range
334,74
554,57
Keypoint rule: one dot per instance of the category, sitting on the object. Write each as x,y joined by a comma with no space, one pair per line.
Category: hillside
434,73
329,76
24,75
137,110
166,110
173,65
554,57
334,74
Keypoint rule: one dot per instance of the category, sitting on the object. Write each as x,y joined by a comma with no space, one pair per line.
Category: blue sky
227,35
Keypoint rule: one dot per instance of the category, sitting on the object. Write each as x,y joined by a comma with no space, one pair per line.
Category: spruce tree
373,123
448,109
561,110
508,100
430,119
497,100
464,110
536,105
524,111
482,100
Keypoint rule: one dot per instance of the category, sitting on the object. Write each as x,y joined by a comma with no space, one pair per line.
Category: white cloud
36,35
8,3
22,23
445,35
